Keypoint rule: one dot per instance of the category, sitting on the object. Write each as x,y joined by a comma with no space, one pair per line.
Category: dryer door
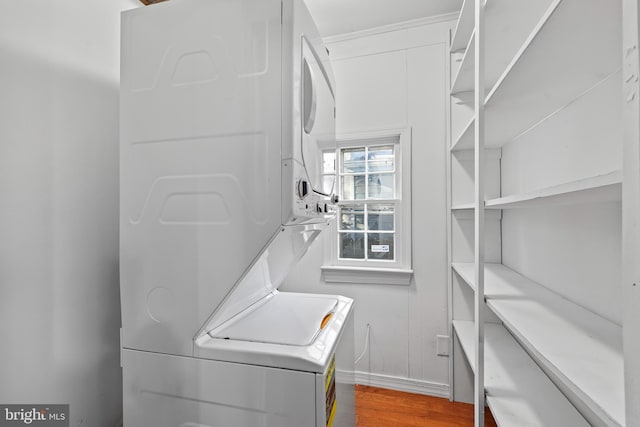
318,119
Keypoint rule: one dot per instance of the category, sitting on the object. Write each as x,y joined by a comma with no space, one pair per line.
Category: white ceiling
345,16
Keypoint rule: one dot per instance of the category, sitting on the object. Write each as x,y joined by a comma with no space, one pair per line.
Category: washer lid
314,357
262,278
283,318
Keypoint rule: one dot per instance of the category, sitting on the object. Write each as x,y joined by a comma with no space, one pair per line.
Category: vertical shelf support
449,242
631,210
479,400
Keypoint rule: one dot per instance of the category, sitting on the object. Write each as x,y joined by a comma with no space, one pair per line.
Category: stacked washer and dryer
227,107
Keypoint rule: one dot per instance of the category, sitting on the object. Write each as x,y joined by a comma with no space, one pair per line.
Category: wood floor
376,407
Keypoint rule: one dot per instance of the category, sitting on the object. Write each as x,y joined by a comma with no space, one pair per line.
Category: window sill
368,276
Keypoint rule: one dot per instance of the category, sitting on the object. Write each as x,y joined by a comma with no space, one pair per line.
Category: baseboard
397,383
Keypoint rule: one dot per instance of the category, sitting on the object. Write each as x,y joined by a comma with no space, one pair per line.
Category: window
373,225
366,214
328,171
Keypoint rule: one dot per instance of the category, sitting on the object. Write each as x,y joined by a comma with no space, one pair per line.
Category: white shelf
579,350
464,26
594,189
465,331
502,41
465,140
601,188
464,79
466,271
518,392
463,206
554,66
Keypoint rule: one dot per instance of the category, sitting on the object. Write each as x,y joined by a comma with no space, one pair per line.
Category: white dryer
227,107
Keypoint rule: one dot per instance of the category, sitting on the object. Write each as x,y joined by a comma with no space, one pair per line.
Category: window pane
381,159
353,160
381,186
381,246
352,218
329,162
327,183
352,245
353,187
381,217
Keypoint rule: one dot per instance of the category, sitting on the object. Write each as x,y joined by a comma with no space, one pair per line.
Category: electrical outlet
442,345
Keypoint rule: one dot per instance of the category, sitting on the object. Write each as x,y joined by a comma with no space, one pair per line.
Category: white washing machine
227,107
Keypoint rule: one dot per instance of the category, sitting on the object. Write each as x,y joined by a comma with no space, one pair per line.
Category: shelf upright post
449,212
479,99
631,210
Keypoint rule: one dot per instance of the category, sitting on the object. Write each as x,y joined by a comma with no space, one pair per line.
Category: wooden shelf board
554,66
600,188
465,141
595,189
518,392
466,335
464,79
466,272
463,206
464,26
579,350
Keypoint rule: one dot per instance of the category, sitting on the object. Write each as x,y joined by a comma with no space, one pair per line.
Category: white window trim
398,272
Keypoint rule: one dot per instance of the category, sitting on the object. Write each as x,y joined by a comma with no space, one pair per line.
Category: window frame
374,271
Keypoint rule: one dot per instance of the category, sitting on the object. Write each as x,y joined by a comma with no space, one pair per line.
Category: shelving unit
588,368
546,66
518,392
503,41
526,93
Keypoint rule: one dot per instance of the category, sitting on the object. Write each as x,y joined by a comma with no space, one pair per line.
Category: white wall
59,296
395,79
573,250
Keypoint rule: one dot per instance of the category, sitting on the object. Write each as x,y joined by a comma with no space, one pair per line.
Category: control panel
309,204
